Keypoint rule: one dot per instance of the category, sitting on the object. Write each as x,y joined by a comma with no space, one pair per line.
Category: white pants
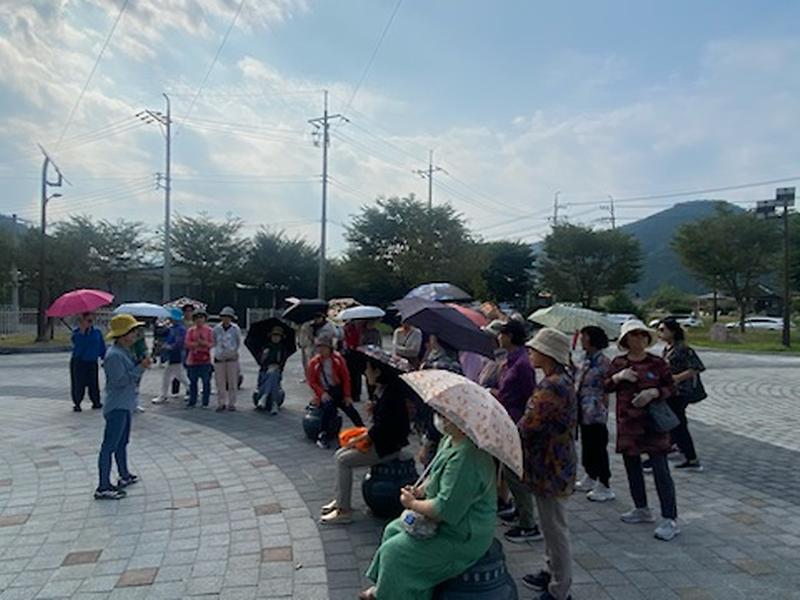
173,371
227,376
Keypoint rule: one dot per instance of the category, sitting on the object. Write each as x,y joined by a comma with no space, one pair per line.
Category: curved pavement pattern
258,484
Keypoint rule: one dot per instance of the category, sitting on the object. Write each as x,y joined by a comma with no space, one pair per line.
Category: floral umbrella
473,410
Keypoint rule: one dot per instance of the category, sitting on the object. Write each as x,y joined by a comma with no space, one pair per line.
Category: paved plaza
227,504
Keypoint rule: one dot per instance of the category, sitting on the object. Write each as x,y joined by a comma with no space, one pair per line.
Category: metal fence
23,320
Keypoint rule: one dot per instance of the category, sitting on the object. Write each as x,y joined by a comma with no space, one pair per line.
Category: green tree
212,252
670,299
731,250
400,243
580,264
508,276
278,260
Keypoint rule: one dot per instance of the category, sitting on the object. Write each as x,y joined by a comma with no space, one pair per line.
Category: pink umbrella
473,315
79,301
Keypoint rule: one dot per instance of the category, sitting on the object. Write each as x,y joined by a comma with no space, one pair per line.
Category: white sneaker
140,409
158,400
601,494
638,515
586,484
666,530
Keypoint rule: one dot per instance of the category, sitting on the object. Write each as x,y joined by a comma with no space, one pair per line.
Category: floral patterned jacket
547,430
592,396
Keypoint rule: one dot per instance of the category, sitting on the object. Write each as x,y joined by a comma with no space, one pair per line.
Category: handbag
353,432
662,419
697,392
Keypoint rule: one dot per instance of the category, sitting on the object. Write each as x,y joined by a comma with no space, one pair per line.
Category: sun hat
122,325
552,343
176,314
631,326
397,363
227,312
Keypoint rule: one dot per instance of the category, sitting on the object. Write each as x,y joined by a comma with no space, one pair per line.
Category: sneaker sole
535,588
607,499
638,522
526,540
667,539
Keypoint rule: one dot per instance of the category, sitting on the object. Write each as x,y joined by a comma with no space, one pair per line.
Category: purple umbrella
446,323
440,292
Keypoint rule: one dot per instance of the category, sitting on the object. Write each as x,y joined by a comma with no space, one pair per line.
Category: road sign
784,195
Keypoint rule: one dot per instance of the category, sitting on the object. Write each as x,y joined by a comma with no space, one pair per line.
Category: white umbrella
473,410
143,309
569,319
361,312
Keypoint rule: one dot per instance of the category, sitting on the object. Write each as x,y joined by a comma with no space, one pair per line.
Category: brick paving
227,503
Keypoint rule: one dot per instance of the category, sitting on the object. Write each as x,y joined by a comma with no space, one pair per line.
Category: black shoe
126,481
690,465
647,466
508,516
112,494
522,535
76,408
96,406
537,582
503,506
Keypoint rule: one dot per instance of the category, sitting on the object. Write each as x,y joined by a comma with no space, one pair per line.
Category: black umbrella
305,310
440,292
447,324
259,333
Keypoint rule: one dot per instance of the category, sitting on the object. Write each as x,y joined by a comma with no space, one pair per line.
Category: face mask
438,422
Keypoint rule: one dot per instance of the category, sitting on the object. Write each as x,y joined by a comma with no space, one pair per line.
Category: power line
91,73
372,56
211,66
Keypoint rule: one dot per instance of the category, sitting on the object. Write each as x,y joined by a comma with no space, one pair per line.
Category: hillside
655,233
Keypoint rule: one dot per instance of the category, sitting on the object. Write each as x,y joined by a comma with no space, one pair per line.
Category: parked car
763,323
685,320
620,318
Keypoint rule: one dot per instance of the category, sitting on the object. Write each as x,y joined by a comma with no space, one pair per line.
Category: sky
522,101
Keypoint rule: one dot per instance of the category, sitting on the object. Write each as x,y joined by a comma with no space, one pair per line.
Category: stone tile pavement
227,502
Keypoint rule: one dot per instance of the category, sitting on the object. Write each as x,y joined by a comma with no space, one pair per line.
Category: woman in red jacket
329,379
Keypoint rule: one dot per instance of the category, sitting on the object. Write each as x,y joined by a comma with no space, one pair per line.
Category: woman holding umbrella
383,441
271,343
456,502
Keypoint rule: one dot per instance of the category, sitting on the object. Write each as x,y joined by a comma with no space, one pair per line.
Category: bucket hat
631,326
122,325
228,312
552,343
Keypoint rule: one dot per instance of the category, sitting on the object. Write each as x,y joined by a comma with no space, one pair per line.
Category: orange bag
353,432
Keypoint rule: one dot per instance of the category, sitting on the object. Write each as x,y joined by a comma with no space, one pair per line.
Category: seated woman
459,494
269,395
386,437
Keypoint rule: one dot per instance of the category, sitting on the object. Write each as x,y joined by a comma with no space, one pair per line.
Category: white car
764,323
620,318
685,320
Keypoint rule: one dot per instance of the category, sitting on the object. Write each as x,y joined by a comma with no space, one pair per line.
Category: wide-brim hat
228,312
631,326
552,343
122,325
396,363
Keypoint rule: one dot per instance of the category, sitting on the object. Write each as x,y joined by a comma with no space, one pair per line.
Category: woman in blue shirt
87,347
122,381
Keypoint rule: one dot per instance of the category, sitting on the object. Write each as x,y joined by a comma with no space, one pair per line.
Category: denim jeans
199,372
269,388
115,441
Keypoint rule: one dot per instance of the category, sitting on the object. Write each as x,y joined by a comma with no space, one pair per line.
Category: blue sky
519,100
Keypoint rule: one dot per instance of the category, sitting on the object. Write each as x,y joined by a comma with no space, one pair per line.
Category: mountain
660,265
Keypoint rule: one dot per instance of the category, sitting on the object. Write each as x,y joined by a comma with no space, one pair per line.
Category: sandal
328,508
337,517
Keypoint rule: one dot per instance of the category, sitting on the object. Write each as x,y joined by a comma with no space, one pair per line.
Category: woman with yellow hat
122,380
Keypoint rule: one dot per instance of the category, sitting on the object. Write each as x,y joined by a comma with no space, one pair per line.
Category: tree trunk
742,314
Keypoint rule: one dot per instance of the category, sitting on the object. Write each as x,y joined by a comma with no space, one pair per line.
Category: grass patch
749,341
22,340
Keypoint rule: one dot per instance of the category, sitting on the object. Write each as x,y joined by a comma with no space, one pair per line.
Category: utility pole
556,206
14,274
165,122
322,129
428,174
612,218
41,318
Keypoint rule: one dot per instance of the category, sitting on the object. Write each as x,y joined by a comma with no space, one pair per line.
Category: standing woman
639,378
593,415
123,373
686,367
227,339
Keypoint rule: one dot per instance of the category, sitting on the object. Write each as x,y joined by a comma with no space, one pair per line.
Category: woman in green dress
460,495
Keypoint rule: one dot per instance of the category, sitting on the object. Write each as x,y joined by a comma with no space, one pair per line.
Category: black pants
329,413
355,366
664,484
680,435
594,452
83,374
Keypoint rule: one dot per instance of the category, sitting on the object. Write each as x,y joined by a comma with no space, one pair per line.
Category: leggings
594,452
